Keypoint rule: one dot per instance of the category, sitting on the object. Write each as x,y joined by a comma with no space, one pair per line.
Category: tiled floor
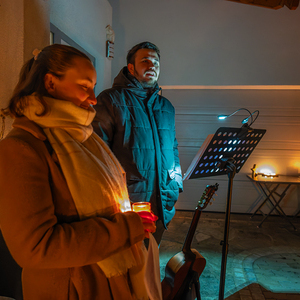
257,292
262,263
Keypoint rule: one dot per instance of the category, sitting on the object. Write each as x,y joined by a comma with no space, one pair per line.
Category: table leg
266,199
276,205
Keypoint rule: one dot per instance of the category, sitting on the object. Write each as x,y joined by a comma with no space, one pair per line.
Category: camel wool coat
40,224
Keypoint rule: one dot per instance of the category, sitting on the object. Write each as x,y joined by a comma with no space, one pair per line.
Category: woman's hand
148,220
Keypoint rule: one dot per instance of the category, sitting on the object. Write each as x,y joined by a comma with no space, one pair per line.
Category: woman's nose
92,98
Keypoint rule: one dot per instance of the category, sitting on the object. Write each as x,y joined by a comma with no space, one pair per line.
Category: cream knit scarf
94,176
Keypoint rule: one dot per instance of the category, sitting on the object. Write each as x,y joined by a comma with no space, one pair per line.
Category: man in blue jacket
139,126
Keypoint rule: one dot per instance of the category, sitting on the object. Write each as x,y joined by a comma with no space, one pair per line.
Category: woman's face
76,85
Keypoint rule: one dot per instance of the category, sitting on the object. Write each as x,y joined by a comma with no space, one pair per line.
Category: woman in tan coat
64,208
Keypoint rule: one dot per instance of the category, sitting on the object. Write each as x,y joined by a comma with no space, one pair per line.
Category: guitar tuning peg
210,203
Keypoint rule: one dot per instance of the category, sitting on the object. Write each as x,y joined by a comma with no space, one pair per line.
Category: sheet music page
196,159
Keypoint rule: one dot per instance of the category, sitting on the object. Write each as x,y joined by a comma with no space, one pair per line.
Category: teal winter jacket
139,126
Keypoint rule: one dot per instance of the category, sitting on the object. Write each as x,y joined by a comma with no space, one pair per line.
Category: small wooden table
269,187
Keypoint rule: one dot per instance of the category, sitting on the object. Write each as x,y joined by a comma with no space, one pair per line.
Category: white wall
24,26
85,22
196,117
212,42
207,48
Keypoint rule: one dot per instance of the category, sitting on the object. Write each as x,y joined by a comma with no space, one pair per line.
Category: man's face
146,67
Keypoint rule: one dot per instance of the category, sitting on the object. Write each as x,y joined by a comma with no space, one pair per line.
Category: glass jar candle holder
141,206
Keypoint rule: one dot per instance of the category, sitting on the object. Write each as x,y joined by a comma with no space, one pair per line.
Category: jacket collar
126,81
29,126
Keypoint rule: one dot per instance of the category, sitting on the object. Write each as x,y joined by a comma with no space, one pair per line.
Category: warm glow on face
77,84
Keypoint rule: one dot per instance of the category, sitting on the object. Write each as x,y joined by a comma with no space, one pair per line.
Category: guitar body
183,270
176,273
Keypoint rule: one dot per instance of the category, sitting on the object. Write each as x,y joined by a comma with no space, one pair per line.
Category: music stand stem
232,170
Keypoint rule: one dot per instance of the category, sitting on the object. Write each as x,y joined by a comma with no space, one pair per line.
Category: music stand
224,152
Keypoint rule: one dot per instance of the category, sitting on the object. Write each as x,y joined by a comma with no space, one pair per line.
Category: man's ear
49,81
130,68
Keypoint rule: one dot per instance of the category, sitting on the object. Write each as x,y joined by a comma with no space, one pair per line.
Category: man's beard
145,84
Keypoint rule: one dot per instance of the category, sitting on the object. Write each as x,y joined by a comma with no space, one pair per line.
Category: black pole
224,243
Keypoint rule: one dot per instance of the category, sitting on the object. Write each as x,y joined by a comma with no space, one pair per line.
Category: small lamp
244,121
265,173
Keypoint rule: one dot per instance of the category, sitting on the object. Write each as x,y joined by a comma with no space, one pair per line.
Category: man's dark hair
144,45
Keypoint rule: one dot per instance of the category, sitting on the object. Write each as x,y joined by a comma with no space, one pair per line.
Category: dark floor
262,263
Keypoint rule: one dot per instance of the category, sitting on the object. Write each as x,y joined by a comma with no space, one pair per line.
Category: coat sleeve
178,174
30,228
104,121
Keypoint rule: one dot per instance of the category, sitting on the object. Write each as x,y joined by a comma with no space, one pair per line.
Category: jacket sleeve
30,228
104,121
178,174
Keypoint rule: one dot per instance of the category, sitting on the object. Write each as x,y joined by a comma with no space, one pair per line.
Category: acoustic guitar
183,270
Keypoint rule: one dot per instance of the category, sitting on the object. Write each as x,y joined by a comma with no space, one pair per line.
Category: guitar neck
189,238
202,203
